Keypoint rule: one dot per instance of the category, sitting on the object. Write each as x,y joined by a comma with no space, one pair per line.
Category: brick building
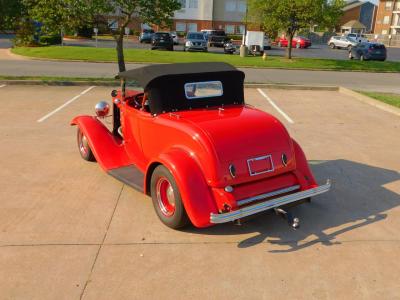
388,18
196,15
363,12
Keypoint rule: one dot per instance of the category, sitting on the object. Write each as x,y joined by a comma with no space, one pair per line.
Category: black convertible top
165,84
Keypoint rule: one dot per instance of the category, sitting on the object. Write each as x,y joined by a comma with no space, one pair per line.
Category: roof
352,4
146,75
354,24
165,85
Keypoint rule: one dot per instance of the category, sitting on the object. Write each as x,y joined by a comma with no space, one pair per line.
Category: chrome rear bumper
267,205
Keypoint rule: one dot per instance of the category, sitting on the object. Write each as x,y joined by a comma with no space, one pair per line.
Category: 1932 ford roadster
191,143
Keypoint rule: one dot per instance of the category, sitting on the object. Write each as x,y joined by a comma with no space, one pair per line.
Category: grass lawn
392,99
147,56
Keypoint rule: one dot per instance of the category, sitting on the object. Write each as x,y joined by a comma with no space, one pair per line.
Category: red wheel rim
165,197
83,144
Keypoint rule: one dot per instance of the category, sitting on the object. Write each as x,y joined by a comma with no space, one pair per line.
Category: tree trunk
289,47
120,50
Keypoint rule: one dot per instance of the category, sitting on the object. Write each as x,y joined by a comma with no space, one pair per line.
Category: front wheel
167,200
332,45
83,146
298,46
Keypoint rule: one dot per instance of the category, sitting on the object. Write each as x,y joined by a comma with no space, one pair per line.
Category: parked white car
175,37
342,42
359,38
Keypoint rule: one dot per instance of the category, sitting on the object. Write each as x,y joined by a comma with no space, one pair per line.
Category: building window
230,6
193,3
398,5
384,31
182,3
180,26
230,29
388,5
192,27
242,6
240,29
386,19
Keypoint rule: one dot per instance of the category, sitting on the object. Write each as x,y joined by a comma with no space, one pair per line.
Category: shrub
50,39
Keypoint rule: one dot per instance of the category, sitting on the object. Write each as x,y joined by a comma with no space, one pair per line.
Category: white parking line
64,105
3,85
275,106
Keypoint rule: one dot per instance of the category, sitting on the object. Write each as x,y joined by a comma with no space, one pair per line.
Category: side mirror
102,109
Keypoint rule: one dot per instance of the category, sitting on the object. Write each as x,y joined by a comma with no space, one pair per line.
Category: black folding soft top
165,84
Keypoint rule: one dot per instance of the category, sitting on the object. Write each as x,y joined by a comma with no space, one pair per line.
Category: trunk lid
255,143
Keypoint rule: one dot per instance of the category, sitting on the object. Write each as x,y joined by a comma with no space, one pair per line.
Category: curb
280,86
371,101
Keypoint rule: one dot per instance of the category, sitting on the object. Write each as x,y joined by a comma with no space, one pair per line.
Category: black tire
349,47
83,146
163,187
332,45
362,58
184,49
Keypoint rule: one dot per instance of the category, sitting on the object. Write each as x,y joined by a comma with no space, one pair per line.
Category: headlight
189,43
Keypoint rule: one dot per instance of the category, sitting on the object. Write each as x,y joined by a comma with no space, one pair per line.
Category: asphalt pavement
12,65
70,231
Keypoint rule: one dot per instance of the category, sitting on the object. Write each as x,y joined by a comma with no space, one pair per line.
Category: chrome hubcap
83,145
165,196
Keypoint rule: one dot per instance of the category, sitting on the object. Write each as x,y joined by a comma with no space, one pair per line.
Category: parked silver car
175,37
342,42
195,41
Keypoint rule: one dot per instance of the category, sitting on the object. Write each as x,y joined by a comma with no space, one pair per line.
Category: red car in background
297,42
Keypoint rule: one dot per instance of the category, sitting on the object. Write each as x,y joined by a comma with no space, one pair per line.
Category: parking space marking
275,106
64,105
2,85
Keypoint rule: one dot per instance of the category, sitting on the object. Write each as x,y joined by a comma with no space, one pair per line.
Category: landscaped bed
147,56
392,99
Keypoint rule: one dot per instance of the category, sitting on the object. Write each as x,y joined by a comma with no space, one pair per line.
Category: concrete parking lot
70,231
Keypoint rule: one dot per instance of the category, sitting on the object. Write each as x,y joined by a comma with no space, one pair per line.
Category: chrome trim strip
267,205
268,195
260,158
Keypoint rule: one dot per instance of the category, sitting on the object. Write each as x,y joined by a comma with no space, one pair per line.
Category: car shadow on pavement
357,199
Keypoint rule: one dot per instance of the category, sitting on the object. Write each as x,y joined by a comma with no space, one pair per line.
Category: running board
130,175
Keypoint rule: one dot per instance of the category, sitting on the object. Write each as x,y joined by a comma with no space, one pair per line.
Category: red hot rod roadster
191,143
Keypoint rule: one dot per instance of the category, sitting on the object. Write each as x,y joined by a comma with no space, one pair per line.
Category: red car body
227,161
297,42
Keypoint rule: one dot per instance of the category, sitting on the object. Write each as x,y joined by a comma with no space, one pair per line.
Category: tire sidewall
89,156
179,218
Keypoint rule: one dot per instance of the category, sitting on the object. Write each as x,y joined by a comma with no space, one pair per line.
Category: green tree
156,12
10,14
292,15
63,15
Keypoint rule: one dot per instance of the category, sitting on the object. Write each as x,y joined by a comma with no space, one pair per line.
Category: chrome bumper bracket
267,205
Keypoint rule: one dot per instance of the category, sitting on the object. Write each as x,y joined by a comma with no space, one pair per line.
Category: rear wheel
83,146
167,199
362,58
332,45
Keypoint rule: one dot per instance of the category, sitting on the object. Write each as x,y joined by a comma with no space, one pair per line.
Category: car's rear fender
303,172
196,194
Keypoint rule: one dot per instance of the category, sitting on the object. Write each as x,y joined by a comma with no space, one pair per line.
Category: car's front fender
196,194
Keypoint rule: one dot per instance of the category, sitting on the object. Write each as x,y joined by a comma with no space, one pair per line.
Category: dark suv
215,37
368,51
162,40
